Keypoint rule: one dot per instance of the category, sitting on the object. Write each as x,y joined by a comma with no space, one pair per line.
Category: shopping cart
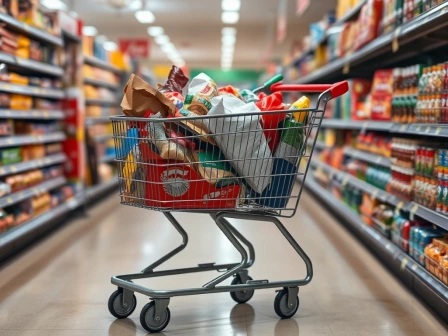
238,166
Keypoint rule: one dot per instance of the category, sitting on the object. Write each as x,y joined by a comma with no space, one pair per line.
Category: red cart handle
336,89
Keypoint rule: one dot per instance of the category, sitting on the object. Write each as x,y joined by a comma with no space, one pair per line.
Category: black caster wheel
281,305
148,320
116,307
241,296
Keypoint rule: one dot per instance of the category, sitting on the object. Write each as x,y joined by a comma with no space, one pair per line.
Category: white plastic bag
249,151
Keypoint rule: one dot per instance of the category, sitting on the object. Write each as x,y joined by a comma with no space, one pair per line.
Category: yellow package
23,41
23,52
302,103
18,79
20,102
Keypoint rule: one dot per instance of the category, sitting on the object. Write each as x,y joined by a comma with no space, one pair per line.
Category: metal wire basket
243,162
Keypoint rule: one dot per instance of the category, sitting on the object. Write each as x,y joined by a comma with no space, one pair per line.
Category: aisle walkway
61,287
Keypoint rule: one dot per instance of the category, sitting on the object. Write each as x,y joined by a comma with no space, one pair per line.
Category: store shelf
376,159
90,101
32,91
415,276
29,30
101,83
19,140
352,13
13,239
318,145
19,196
101,64
431,216
34,66
71,36
97,120
432,20
32,164
100,138
97,190
31,114
107,158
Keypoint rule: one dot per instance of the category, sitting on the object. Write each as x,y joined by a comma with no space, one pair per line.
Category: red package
269,122
229,89
368,22
180,139
177,99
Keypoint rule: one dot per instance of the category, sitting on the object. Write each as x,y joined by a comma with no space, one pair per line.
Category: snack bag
134,173
229,89
241,140
248,96
176,81
212,167
270,122
302,103
139,97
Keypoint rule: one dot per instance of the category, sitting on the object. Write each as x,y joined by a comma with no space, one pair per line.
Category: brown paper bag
139,97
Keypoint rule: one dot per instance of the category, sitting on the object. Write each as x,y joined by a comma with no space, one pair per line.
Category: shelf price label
395,43
418,128
428,128
378,160
404,262
346,68
374,194
345,180
413,211
438,130
398,207
403,128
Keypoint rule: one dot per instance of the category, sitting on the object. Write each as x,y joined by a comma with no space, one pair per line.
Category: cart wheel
116,307
241,296
148,321
281,305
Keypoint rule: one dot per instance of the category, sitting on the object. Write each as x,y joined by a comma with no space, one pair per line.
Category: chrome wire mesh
235,162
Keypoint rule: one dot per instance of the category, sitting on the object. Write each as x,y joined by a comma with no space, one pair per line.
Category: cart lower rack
231,166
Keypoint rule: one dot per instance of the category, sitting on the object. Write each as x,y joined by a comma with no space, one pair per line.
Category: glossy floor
61,286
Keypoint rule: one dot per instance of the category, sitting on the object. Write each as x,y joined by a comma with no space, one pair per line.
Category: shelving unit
32,164
418,279
100,83
376,159
380,49
31,65
90,101
101,64
31,114
32,91
19,140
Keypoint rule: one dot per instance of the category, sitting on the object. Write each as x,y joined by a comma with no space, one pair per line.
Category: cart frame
286,303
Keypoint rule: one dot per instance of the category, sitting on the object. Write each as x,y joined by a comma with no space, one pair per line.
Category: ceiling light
144,16
168,47
228,40
228,48
89,31
135,5
231,5
230,17
110,46
162,39
226,58
180,64
226,62
228,31
54,4
155,31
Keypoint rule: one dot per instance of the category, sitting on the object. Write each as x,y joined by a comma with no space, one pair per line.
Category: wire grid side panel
241,163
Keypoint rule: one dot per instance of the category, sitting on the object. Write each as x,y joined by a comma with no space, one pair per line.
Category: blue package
126,144
277,193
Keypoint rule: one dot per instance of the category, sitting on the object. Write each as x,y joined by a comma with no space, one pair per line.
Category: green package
291,140
212,166
11,156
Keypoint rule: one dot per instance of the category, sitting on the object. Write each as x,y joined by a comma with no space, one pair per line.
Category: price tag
403,128
444,10
346,68
398,208
414,267
374,194
345,181
438,130
404,262
2,171
395,43
8,112
418,128
364,127
413,211
378,160
427,129
13,169
9,200
10,141
46,114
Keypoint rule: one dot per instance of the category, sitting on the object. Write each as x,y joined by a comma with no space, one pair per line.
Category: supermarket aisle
61,287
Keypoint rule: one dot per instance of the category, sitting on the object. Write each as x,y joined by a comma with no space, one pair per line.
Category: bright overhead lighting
144,16
54,4
226,63
228,48
228,31
180,64
230,17
162,39
110,46
228,40
101,38
89,31
167,48
135,5
231,5
227,58
155,31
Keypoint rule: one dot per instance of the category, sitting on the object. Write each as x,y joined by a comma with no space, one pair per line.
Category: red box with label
180,186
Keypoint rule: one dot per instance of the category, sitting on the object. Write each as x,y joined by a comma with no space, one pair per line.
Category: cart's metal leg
292,294
169,255
243,239
127,297
239,267
160,307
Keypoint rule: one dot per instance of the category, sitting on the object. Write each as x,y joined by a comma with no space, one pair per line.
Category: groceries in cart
199,146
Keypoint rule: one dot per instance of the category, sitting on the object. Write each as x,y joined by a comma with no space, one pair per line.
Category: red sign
135,48
302,5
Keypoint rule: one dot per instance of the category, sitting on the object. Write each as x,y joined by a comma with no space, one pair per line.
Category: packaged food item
241,140
229,89
18,79
4,100
291,141
302,103
5,189
368,22
270,122
134,174
200,92
11,155
6,127
20,102
139,97
212,166
176,81
248,96
6,220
